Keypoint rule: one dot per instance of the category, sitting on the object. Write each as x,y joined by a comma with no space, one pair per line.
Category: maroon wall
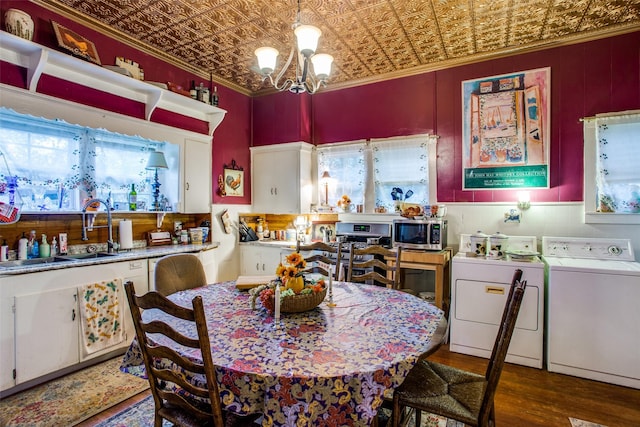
586,79
231,138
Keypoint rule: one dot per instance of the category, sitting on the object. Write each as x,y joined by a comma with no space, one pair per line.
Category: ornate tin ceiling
371,40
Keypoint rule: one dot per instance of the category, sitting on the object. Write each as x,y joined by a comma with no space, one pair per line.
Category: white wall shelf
39,60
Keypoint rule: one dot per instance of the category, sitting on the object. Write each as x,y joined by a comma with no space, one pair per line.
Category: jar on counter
184,237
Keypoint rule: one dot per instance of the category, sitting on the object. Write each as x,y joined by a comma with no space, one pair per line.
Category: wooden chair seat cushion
454,393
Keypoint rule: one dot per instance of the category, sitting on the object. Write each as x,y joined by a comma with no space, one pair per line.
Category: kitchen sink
54,259
33,261
91,255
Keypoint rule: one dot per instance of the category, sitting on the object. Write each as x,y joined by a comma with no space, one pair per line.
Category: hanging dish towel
101,315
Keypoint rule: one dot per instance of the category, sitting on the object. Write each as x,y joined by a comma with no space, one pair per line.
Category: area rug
71,399
141,415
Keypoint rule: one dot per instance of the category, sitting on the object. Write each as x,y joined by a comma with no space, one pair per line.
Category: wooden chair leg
418,417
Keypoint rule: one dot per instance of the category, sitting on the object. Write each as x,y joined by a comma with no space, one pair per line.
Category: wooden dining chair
317,258
178,272
454,393
375,264
180,409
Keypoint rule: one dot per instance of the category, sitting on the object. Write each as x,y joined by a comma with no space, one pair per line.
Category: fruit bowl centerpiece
296,293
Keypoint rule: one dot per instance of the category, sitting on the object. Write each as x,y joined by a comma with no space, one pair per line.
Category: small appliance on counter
420,234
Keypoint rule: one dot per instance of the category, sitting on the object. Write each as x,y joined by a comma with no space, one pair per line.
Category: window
612,177
56,165
347,167
380,172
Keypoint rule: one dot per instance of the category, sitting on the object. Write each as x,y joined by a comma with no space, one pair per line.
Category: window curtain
617,172
57,164
401,171
347,167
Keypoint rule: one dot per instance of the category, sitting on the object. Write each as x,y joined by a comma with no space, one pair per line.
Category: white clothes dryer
479,289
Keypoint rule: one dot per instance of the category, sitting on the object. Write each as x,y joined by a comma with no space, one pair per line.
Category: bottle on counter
193,92
30,242
133,198
45,248
35,249
23,247
54,247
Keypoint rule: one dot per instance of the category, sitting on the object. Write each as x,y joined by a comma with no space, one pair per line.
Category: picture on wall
75,43
234,182
505,131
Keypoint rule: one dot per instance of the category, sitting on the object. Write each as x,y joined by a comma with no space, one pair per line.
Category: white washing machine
479,289
593,313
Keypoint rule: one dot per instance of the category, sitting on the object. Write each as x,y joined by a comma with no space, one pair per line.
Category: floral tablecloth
326,367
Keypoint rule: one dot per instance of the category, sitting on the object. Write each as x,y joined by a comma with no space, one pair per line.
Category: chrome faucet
86,227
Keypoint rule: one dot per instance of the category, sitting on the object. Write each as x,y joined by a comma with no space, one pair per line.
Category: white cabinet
281,178
210,265
196,177
47,336
257,260
40,323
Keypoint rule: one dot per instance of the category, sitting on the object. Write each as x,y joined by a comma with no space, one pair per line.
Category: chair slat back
501,346
202,402
391,269
319,257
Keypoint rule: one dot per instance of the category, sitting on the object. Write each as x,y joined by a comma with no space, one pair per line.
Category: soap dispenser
45,248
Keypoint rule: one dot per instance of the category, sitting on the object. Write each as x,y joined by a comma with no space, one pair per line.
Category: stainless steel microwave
420,234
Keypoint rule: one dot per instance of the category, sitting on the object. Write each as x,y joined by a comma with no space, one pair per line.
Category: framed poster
505,131
75,43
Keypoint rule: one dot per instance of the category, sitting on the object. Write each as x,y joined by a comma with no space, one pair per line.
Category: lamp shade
307,36
322,65
325,176
266,59
157,160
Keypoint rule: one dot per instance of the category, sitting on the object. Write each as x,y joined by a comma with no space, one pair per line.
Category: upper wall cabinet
39,60
281,178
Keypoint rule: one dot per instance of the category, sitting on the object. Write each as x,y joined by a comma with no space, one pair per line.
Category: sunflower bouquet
297,294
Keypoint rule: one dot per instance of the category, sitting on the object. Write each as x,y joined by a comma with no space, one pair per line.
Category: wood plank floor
528,397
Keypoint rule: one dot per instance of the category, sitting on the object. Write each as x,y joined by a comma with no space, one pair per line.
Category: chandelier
304,52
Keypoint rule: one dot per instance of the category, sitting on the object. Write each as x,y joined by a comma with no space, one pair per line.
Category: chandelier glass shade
304,51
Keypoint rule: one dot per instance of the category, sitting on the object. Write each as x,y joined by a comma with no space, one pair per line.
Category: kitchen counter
56,263
271,243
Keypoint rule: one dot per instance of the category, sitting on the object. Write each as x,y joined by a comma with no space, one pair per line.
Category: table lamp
325,181
156,161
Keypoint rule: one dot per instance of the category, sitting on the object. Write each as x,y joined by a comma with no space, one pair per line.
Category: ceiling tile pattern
369,39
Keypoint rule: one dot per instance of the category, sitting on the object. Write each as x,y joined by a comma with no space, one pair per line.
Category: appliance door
421,235
593,324
479,290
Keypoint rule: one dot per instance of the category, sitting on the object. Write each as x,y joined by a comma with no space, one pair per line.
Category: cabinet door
197,177
250,260
276,182
259,260
281,178
46,333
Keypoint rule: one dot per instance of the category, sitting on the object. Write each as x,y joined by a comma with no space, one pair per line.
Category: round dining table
329,366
